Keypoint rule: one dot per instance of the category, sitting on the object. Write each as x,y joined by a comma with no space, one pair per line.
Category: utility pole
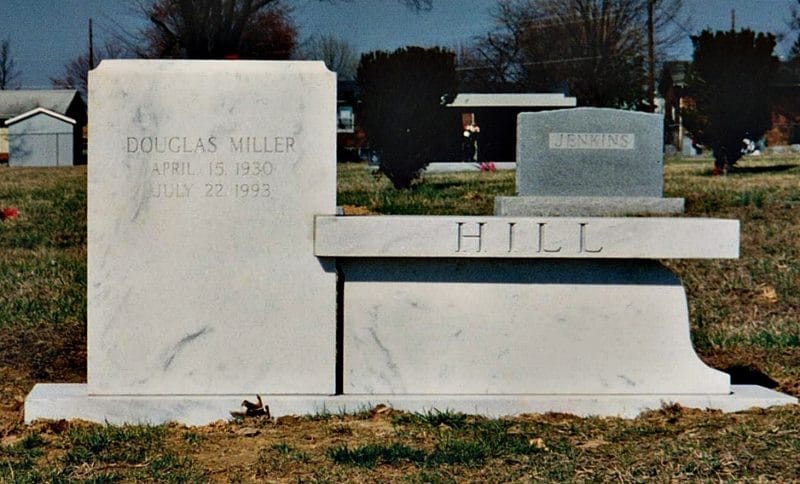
651,56
91,46
733,19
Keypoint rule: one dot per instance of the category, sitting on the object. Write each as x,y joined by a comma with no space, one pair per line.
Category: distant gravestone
688,147
589,161
590,152
204,179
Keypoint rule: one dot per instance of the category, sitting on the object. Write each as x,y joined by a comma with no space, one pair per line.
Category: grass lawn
745,317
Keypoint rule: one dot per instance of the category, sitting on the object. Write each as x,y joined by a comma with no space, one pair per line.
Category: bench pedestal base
71,401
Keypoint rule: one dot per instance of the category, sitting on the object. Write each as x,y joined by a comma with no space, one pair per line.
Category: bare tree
338,55
794,24
203,29
76,71
8,69
595,48
215,29
497,61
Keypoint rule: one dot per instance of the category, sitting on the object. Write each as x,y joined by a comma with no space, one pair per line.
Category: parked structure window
345,119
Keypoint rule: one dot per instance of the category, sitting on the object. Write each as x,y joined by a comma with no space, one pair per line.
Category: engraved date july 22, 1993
210,190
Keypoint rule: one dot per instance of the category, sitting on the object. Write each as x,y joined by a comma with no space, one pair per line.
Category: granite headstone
589,162
590,152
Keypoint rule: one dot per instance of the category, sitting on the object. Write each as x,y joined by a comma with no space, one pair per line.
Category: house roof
16,102
36,111
526,100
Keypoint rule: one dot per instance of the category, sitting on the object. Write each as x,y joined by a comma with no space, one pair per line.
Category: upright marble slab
204,179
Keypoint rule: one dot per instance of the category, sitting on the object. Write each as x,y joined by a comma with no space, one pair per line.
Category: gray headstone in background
688,149
590,152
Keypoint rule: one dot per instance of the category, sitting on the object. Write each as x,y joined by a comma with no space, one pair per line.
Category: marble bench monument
218,271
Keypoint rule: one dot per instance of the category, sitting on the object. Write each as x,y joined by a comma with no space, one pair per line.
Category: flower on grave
471,129
8,213
469,146
490,166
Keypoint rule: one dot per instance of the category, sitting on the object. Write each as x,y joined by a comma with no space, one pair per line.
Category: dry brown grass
747,311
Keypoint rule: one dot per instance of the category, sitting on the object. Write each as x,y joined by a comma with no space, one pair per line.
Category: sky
46,34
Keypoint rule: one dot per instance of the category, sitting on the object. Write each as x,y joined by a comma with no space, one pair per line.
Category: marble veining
183,342
536,330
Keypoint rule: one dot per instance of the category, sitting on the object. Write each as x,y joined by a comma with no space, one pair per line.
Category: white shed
497,115
21,103
41,137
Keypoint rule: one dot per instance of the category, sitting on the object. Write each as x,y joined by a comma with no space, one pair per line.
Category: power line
34,88
675,21
544,23
535,63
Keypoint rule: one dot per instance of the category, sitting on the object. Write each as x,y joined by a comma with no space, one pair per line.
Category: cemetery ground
744,316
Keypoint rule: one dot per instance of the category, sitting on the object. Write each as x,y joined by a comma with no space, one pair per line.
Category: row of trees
594,49
600,51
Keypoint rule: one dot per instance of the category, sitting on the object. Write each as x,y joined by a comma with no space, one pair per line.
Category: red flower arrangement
8,213
488,166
